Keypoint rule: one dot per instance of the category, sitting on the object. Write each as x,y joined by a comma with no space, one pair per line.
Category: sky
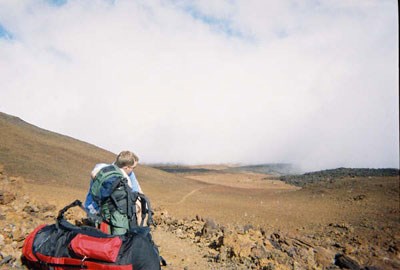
312,83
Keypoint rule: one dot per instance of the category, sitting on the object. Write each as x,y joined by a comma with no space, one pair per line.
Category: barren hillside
45,157
207,220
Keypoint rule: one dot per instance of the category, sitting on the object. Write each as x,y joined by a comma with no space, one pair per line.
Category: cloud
313,83
4,33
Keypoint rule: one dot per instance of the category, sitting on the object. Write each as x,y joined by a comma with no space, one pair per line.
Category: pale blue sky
4,33
314,83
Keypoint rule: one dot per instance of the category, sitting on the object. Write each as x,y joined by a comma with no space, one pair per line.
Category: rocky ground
19,215
200,243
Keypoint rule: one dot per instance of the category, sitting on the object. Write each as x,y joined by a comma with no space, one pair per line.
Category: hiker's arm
135,183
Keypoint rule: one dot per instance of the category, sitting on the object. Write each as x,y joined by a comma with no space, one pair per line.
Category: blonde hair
126,158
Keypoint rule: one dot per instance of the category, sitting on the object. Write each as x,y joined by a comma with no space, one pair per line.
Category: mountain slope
46,157
42,156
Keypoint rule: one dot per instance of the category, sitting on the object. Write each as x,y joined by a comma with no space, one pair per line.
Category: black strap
65,209
146,210
163,261
93,217
61,222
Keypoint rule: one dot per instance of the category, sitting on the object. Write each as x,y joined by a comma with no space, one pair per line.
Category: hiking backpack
63,246
110,190
105,181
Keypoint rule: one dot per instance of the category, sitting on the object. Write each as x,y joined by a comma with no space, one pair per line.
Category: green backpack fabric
105,182
111,192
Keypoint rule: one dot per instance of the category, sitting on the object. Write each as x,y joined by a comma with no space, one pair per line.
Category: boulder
6,197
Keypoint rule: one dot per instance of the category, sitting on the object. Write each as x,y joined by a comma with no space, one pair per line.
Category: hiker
90,204
124,164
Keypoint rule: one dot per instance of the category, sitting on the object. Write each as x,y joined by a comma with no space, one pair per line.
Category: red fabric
105,249
27,247
85,264
104,227
58,260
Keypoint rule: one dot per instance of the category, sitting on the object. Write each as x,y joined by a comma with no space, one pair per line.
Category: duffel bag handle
91,216
65,209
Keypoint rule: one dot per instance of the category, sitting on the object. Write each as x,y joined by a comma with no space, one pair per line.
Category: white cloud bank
313,83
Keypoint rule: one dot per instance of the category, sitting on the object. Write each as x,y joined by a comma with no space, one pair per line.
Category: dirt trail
188,195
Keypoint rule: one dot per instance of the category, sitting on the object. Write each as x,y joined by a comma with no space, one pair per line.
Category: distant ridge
182,169
327,175
276,169
269,168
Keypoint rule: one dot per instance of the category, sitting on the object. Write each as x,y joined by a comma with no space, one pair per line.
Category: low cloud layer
306,82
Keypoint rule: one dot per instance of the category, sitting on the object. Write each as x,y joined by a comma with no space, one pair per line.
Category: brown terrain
212,219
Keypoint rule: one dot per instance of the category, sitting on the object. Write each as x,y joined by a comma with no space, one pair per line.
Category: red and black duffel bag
66,246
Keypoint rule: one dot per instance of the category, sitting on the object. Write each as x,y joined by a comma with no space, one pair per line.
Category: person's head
127,161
